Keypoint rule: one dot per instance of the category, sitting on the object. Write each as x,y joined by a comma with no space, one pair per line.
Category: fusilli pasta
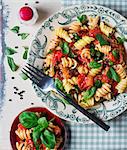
105,29
75,27
60,32
120,70
82,69
85,53
104,49
122,85
93,22
93,72
83,42
67,86
69,62
24,134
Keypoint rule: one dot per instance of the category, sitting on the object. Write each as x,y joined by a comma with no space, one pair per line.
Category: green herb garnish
12,64
89,93
25,53
65,48
28,119
101,40
112,74
10,51
98,83
115,54
94,64
15,29
58,84
76,37
23,35
121,40
82,19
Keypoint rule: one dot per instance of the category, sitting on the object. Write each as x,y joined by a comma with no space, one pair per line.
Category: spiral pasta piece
60,32
93,72
48,60
23,146
93,22
83,42
122,85
69,62
124,65
82,69
105,29
120,70
85,53
104,90
104,49
73,80
75,27
89,103
53,44
23,134
67,86
107,96
65,72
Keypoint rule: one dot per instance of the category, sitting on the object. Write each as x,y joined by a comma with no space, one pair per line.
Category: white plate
106,110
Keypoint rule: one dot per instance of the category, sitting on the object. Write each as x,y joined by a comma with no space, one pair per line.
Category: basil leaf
102,41
92,51
28,119
76,37
121,40
12,64
98,83
23,76
58,84
48,139
115,76
23,35
43,122
110,63
15,29
94,64
25,53
36,135
10,51
115,54
65,48
109,74
82,18
71,54
89,93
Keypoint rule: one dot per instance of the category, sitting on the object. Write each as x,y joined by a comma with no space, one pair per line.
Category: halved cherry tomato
57,56
82,33
106,79
94,32
21,127
84,82
111,57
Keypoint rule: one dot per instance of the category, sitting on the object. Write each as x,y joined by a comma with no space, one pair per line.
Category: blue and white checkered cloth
91,137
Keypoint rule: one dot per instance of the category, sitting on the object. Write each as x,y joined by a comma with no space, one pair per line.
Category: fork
47,84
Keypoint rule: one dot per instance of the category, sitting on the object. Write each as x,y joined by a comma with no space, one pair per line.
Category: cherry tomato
82,33
111,57
26,13
21,127
84,82
105,79
115,91
94,32
71,44
57,56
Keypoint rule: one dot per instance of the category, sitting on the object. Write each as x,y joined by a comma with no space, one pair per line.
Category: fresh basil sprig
48,139
101,40
94,64
89,93
12,64
121,40
82,19
58,84
112,74
28,119
10,51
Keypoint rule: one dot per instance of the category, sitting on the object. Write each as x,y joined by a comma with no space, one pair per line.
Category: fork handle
92,117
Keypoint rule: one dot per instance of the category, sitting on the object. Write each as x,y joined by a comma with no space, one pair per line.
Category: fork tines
33,73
